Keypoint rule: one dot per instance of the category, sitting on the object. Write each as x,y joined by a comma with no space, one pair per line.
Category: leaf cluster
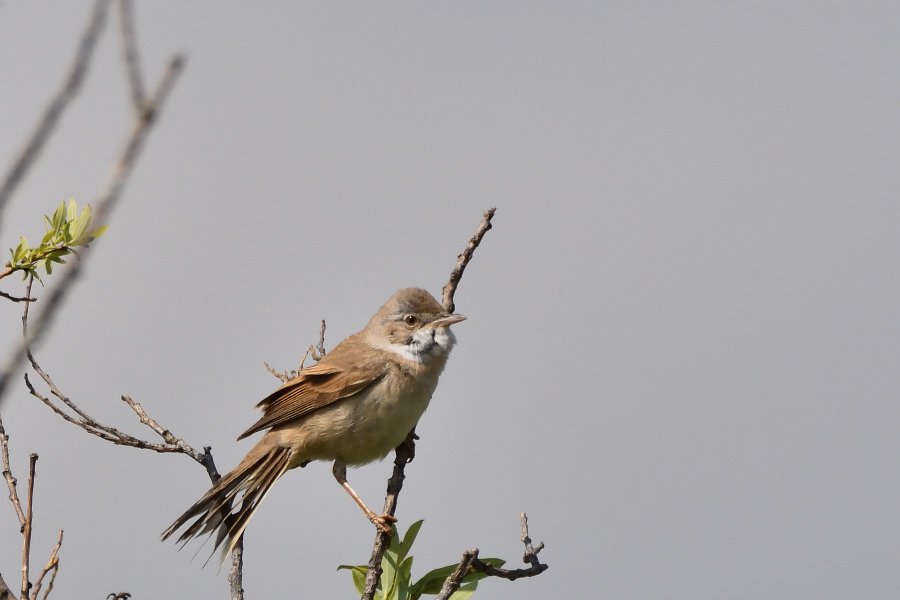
66,229
396,573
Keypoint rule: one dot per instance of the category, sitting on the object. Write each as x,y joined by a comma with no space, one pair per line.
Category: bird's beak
448,320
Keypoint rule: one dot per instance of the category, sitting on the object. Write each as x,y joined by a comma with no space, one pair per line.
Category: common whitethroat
353,407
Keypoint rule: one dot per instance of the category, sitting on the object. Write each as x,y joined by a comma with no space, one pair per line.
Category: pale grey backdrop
682,346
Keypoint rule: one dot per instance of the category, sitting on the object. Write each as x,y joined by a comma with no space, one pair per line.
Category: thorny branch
406,451
470,562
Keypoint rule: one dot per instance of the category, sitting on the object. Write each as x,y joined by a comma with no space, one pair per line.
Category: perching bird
353,407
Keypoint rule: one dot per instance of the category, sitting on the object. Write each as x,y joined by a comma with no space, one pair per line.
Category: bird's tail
252,479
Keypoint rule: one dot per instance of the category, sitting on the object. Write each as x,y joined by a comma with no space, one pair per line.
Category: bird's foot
410,444
382,522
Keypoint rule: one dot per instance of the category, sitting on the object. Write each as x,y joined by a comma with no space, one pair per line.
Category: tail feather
253,478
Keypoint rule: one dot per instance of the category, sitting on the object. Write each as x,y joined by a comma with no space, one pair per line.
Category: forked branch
405,452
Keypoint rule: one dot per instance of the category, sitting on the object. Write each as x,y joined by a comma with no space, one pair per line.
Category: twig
16,298
130,53
463,259
235,574
530,557
10,480
405,452
58,104
52,565
470,562
107,202
452,583
26,535
284,377
318,352
383,540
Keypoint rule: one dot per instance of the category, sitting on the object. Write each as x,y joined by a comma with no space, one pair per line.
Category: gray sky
682,346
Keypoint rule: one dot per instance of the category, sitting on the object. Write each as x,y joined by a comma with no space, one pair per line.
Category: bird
352,407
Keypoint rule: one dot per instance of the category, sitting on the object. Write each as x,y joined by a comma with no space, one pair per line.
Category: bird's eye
411,320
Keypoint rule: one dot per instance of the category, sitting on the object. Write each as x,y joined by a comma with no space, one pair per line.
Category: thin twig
321,346
10,480
16,298
318,352
107,202
463,259
406,451
26,535
130,53
530,557
235,574
58,104
284,377
382,539
452,583
52,565
470,562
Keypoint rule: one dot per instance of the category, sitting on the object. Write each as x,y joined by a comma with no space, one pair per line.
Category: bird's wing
319,385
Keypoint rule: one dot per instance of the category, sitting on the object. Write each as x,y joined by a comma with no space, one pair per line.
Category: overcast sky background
682,350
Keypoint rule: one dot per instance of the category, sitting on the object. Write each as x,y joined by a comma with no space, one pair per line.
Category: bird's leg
382,522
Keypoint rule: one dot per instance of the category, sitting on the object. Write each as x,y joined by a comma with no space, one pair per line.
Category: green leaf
405,578
59,216
73,210
433,580
49,266
359,576
464,591
408,540
76,231
97,232
390,565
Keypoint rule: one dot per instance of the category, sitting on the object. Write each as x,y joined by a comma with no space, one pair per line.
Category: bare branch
284,377
16,298
130,53
10,480
406,452
52,565
26,535
453,582
470,562
107,202
318,352
383,540
321,346
58,104
463,259
236,573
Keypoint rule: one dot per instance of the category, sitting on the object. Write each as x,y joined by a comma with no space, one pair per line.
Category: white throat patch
426,345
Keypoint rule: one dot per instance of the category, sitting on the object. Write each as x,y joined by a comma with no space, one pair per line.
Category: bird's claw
410,444
383,522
